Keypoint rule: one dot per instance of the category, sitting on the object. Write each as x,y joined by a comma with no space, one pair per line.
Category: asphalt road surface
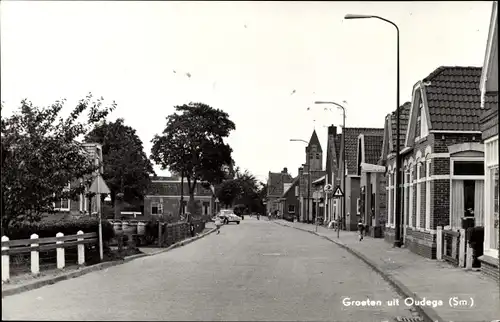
253,271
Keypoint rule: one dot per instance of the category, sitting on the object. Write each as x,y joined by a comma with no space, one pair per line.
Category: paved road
253,271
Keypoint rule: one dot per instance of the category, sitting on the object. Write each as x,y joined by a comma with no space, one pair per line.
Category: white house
489,129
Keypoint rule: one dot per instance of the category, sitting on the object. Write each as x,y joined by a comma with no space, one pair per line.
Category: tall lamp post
397,237
308,173
344,162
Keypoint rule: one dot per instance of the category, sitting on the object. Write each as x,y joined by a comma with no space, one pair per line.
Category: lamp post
308,173
344,164
397,237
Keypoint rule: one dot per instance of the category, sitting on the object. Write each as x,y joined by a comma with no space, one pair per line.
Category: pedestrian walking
361,229
218,224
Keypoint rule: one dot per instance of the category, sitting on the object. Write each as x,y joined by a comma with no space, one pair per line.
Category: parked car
228,216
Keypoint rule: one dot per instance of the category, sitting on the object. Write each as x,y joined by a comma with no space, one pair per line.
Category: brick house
289,202
352,178
372,181
388,160
331,176
275,189
311,171
489,129
163,198
442,159
83,205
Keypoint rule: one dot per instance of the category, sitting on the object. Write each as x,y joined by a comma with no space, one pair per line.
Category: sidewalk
425,278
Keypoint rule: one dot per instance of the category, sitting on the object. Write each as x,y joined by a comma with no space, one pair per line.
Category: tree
127,168
242,189
44,156
192,144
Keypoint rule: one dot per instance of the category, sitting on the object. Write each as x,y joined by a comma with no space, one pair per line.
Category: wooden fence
453,247
35,245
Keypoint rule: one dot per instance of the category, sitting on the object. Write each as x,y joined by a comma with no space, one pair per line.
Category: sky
264,63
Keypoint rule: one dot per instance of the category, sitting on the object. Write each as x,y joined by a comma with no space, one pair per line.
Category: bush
67,227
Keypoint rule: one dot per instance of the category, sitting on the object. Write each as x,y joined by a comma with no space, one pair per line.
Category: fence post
468,258
5,261
439,243
461,249
81,249
35,258
159,234
60,252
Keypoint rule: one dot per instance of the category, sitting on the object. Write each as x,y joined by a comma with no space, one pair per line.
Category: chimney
332,130
285,170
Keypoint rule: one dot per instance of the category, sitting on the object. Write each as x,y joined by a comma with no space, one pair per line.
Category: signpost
338,194
99,187
316,197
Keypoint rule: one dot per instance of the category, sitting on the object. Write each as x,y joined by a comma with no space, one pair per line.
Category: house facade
83,205
289,201
163,198
388,160
372,182
352,179
442,159
489,128
275,189
311,171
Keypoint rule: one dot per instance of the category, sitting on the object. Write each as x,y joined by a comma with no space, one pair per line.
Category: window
424,131
419,195
63,204
389,201
291,209
494,225
468,168
156,208
410,203
206,207
428,195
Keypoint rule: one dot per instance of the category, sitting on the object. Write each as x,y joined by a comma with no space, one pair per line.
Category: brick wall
421,243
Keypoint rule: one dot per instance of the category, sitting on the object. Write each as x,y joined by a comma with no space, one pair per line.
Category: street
253,271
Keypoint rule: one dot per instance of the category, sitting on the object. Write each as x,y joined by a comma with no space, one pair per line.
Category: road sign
328,188
216,199
338,192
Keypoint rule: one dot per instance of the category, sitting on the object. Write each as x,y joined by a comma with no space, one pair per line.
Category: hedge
67,227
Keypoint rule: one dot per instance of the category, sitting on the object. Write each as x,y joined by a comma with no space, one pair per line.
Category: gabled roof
453,98
351,141
275,183
372,147
404,116
295,182
315,141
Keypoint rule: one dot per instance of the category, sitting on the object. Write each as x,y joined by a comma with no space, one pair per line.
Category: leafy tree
127,168
243,189
192,144
44,156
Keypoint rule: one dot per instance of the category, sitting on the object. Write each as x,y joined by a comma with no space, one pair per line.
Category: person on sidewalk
361,229
218,224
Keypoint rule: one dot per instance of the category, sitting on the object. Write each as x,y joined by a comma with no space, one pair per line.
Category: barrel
141,228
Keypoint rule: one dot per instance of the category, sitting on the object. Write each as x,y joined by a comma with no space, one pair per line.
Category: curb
93,268
428,314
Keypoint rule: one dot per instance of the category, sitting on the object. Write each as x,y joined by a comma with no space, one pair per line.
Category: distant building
332,176
352,193
289,201
371,183
163,198
275,188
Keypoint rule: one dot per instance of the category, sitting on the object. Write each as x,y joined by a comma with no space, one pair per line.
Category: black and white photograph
250,161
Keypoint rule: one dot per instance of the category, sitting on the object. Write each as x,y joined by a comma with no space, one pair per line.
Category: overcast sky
246,58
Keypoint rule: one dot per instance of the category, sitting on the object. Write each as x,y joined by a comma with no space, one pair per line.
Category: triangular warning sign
338,192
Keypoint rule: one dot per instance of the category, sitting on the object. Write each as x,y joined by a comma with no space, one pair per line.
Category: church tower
314,153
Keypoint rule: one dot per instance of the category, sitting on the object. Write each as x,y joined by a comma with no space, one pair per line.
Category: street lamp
308,173
397,237
344,163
